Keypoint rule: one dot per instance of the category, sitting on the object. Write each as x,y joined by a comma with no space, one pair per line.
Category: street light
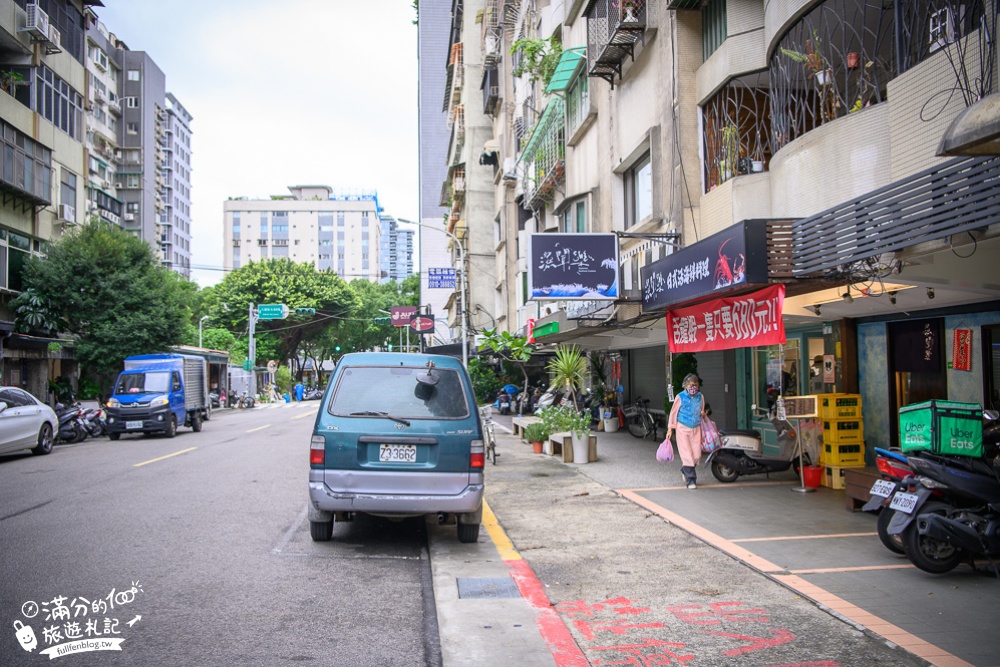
200,322
461,276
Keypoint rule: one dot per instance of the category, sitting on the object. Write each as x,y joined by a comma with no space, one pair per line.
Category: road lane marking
259,428
554,632
183,451
308,414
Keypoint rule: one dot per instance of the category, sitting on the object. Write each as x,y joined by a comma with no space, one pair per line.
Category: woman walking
685,421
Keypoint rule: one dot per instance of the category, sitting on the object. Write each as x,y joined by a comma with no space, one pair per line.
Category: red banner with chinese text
722,324
961,351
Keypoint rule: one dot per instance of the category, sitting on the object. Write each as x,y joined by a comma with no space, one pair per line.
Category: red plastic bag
665,452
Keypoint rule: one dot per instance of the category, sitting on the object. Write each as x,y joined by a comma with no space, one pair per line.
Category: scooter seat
743,432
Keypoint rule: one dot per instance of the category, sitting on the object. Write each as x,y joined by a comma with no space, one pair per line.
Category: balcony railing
613,28
737,122
543,160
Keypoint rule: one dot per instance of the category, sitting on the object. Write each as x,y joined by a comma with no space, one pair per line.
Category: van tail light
317,450
477,460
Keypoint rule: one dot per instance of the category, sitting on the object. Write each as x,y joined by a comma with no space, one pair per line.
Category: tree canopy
106,287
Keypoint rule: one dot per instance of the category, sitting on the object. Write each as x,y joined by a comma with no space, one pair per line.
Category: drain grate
487,588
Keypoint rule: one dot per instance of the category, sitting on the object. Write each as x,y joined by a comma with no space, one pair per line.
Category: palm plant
568,370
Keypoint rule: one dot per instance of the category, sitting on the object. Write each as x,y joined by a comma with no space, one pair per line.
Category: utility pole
252,350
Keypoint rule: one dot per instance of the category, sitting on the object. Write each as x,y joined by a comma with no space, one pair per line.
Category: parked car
25,422
399,435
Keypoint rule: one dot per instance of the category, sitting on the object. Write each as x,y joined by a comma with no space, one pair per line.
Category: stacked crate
843,436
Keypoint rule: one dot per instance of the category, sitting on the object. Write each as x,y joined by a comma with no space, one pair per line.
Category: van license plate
131,425
883,488
397,453
904,502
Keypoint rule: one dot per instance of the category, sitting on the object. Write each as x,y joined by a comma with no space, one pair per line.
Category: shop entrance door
991,366
916,366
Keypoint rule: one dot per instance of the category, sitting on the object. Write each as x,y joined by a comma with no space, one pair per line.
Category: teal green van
398,435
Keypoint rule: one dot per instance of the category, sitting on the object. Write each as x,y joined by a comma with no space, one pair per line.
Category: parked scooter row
941,510
76,424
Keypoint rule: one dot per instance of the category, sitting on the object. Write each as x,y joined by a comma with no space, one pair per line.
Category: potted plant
536,434
568,371
816,65
578,424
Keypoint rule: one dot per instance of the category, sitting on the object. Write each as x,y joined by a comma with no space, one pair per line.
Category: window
132,181
67,190
132,128
638,192
131,102
133,75
58,102
713,26
577,104
574,218
27,165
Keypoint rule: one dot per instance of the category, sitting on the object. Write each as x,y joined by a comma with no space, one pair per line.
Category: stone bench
561,444
518,424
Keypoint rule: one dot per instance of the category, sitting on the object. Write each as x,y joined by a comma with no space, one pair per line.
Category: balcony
492,34
491,91
737,130
542,163
613,29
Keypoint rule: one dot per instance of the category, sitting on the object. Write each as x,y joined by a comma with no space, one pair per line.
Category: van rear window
395,391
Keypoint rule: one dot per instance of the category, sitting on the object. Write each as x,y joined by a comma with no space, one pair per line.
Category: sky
284,92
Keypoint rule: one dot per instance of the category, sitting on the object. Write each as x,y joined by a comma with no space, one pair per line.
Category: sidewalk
808,543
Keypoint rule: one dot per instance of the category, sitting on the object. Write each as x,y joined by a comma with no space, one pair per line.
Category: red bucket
812,476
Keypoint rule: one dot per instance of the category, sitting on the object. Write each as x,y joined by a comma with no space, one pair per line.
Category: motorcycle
94,421
894,468
741,452
549,399
948,510
312,394
71,427
503,403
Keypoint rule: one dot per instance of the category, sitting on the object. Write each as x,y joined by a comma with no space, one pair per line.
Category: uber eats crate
833,476
943,427
842,455
843,432
839,406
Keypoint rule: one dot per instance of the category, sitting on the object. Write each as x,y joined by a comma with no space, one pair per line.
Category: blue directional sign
441,278
272,311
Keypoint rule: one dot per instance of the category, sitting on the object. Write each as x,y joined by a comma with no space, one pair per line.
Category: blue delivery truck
157,393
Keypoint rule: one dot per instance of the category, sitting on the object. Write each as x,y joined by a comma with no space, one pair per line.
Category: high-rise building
397,250
103,122
336,231
175,239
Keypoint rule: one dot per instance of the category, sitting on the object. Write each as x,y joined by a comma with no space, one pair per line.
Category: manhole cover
499,587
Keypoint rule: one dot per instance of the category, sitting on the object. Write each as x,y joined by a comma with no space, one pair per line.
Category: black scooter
741,452
71,426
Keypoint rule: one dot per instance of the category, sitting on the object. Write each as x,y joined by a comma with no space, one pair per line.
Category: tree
509,347
295,284
362,332
105,287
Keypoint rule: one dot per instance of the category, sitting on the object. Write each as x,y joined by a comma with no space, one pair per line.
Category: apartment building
336,231
738,145
175,235
397,250
103,119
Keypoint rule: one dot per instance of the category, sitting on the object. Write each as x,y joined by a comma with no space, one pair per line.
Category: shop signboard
961,351
400,315
747,320
733,259
422,323
440,278
573,266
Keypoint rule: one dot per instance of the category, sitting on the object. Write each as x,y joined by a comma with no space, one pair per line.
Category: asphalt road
204,540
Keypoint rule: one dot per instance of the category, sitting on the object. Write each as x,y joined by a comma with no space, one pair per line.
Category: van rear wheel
468,532
321,531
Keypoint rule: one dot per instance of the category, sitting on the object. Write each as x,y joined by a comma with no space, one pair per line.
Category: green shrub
485,383
535,432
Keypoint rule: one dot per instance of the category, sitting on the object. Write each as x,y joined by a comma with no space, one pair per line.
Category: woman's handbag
665,452
710,439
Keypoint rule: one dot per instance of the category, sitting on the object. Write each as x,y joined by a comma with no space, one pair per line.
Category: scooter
71,427
93,420
502,404
741,452
893,468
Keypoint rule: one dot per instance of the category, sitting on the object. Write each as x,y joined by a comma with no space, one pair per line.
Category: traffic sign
247,365
272,311
422,323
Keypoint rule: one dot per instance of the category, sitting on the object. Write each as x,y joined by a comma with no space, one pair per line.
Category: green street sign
272,311
247,365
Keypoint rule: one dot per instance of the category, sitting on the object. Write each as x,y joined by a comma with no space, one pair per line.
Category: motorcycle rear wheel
893,543
724,473
925,552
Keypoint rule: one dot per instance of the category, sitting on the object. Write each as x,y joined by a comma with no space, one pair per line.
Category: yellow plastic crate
843,432
833,476
842,455
839,406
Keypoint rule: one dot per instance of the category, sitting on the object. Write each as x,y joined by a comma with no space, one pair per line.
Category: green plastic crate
943,427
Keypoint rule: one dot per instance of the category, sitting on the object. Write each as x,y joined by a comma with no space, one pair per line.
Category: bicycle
640,423
245,401
489,436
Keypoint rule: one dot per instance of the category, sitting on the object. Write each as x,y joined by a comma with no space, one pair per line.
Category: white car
25,422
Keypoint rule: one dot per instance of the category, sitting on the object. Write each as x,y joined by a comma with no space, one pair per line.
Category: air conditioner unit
37,23
117,185
118,155
55,41
129,217
67,213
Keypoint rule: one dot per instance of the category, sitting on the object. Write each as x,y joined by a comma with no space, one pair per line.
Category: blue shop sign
573,266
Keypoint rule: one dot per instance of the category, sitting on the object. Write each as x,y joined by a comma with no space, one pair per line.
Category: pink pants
688,444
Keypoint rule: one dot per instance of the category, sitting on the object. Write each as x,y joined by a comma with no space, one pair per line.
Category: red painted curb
554,632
